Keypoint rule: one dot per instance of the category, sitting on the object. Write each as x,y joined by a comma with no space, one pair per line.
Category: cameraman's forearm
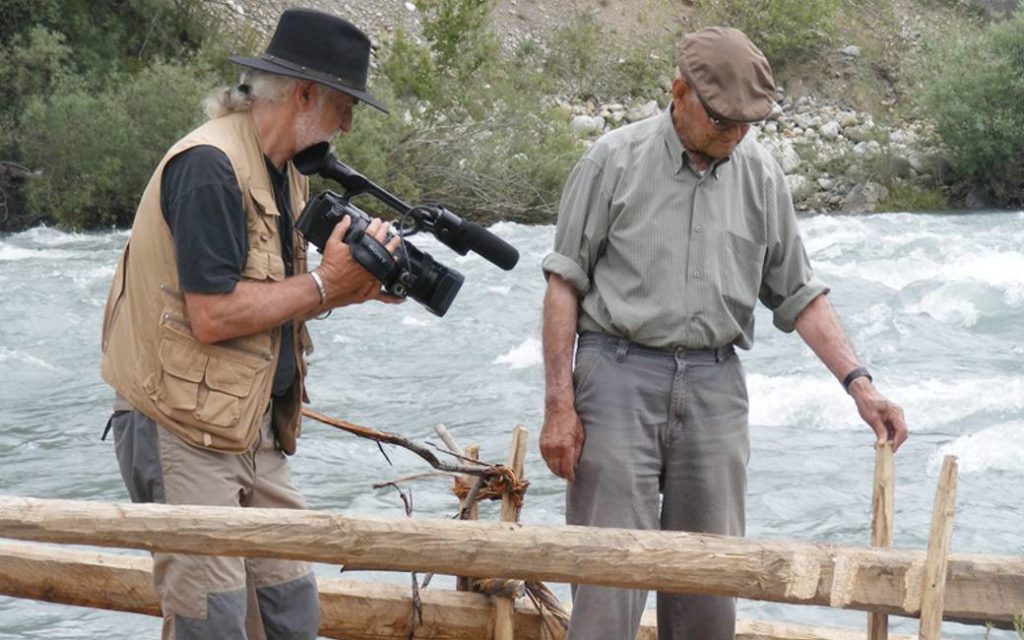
251,308
560,315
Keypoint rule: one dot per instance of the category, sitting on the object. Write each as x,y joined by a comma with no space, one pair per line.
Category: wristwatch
859,372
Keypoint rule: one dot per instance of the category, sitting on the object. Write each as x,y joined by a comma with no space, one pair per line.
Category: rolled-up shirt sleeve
788,283
582,226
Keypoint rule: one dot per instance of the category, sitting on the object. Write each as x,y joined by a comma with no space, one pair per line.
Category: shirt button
699,229
695,274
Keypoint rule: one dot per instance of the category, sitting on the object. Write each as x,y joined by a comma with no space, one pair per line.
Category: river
934,304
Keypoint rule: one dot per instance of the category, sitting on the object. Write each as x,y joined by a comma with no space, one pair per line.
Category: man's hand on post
561,441
345,280
884,417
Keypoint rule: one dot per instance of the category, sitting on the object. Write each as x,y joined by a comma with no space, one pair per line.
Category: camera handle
457,234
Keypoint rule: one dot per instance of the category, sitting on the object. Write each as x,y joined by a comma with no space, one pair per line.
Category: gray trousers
208,597
657,422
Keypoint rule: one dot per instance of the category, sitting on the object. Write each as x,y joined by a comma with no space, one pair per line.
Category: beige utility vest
212,396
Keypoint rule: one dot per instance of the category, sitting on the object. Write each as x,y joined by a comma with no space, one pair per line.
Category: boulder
830,130
583,124
643,111
783,152
864,198
851,51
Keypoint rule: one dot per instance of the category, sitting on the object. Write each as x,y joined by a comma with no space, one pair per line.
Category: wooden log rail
978,587
350,609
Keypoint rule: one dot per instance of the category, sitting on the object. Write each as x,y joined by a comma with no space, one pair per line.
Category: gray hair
253,86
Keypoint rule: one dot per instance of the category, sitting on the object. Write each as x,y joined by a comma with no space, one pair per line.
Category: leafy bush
974,95
96,150
783,29
577,61
470,128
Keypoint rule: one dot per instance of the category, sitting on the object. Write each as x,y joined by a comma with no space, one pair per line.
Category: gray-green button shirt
667,257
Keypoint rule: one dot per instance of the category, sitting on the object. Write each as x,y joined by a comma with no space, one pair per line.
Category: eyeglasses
721,124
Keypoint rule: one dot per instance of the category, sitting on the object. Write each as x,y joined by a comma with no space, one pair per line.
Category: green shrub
974,95
469,128
113,35
499,154
578,61
906,196
96,150
783,29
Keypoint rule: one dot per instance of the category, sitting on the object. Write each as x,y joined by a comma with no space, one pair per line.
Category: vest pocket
182,371
262,264
205,386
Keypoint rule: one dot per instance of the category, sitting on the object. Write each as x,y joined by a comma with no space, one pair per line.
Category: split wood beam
350,609
978,587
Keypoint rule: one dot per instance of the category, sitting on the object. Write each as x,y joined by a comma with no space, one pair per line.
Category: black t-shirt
202,204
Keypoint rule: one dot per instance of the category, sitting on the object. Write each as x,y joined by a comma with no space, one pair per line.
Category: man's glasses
721,124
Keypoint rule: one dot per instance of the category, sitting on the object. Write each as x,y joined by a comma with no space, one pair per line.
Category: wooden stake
464,583
504,608
934,590
446,437
882,524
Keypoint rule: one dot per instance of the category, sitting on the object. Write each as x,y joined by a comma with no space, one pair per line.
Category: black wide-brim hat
318,46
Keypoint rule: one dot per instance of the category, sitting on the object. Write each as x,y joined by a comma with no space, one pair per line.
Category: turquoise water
934,304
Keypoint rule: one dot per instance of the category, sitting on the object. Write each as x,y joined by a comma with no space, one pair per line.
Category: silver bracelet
321,289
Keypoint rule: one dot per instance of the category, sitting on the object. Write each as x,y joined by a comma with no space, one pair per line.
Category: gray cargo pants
218,598
666,422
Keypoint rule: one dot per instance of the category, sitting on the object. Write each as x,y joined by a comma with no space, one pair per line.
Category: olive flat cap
730,75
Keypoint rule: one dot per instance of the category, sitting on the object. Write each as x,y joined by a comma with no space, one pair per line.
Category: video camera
409,272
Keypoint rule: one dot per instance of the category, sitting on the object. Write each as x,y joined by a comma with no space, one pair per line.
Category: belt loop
620,353
718,354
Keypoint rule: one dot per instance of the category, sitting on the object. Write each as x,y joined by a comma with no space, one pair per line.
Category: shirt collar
673,146
676,151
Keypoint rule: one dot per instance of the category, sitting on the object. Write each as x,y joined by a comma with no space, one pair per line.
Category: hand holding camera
345,280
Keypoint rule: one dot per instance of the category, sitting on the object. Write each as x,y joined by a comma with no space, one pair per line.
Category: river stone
830,130
860,133
852,51
587,124
864,198
826,184
784,153
643,111
799,186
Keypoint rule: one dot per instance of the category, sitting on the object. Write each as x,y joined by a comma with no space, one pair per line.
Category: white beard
308,128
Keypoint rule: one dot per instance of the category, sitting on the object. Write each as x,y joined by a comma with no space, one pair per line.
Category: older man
204,336
669,231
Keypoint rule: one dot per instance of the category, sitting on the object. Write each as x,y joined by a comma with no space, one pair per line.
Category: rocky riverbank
836,159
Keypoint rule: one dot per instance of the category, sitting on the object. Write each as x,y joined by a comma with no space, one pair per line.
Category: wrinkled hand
346,281
561,441
884,417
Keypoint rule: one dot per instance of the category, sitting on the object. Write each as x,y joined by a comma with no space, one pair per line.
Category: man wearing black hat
669,231
204,331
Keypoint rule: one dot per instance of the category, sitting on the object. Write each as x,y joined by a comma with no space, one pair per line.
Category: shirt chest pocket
740,266
264,261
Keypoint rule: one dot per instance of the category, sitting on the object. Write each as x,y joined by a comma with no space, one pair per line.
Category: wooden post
504,608
882,524
934,590
463,583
